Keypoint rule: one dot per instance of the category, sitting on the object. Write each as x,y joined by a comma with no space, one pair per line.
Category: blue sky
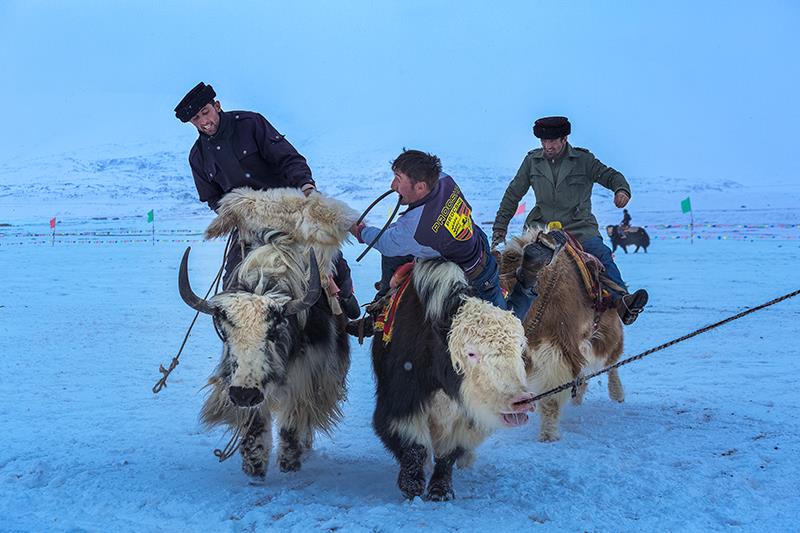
705,90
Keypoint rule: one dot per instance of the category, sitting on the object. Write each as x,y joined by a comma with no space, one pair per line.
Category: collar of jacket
225,129
569,151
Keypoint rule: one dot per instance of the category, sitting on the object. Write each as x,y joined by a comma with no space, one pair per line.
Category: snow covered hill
126,182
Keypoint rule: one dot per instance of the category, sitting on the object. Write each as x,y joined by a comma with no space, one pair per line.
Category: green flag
686,205
150,215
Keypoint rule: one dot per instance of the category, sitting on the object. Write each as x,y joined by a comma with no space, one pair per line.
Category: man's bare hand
498,238
621,199
355,230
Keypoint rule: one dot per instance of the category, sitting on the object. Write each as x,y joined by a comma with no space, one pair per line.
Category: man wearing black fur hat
562,177
242,149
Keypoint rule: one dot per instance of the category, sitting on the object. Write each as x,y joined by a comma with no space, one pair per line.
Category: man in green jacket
562,177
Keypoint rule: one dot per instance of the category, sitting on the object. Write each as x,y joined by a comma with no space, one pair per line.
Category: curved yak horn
188,295
314,287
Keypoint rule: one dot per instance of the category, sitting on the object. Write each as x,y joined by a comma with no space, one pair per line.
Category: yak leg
408,439
549,413
289,450
308,442
556,364
294,431
466,459
411,479
256,446
615,391
579,393
440,487
411,456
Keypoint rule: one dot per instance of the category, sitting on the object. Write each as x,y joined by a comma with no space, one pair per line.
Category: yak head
486,347
259,332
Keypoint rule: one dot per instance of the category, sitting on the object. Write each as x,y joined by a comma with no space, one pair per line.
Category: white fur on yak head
486,346
259,332
314,220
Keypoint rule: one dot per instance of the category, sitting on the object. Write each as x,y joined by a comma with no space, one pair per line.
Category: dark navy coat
246,151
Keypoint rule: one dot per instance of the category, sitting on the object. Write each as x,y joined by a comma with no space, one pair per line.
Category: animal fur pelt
314,220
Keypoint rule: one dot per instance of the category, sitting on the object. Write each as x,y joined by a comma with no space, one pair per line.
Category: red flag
53,223
520,209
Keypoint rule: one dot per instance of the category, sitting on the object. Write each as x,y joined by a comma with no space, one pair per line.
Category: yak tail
645,238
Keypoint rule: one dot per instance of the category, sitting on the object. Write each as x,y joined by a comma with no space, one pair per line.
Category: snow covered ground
707,438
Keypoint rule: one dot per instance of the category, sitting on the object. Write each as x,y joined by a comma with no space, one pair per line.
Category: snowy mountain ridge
125,180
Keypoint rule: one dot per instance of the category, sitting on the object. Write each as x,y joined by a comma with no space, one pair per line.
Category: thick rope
236,438
580,380
391,217
550,286
165,372
545,299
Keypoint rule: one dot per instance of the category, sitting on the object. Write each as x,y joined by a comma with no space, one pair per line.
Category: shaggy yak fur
446,381
632,236
314,220
285,355
565,344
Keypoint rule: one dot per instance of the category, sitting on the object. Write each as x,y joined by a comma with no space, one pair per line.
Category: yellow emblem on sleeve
459,221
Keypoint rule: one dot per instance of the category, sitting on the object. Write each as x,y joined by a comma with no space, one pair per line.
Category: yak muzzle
245,396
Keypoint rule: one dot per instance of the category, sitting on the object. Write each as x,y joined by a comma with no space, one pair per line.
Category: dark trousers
487,287
595,246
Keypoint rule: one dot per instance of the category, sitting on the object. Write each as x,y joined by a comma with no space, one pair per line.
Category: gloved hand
498,238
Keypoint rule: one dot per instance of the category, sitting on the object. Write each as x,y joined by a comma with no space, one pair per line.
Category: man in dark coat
562,177
242,149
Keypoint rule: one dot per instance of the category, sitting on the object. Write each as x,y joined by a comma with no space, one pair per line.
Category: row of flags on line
150,218
686,206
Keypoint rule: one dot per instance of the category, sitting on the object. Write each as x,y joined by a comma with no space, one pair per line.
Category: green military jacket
567,197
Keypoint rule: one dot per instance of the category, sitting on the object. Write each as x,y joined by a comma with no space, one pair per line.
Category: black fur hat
552,127
194,101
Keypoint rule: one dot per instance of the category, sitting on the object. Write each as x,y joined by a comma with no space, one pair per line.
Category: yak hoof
549,437
288,464
440,490
411,484
257,469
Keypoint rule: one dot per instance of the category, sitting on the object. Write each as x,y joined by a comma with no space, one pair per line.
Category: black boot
631,305
534,257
